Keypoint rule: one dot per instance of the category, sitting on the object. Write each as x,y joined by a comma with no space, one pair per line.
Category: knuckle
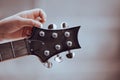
18,20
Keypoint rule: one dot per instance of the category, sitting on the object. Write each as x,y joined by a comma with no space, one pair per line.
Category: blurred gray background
99,57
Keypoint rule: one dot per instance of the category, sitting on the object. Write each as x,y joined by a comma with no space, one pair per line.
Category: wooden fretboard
13,49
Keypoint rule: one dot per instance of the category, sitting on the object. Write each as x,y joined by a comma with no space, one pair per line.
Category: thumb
30,22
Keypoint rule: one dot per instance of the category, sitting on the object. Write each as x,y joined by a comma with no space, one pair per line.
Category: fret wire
13,50
0,57
27,45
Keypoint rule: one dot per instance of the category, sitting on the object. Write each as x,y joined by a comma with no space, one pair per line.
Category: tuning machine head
64,25
46,43
52,26
48,64
70,55
58,59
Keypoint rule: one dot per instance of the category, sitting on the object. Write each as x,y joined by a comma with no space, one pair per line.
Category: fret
12,49
6,51
20,48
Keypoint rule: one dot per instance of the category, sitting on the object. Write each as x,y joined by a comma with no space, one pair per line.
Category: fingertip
42,11
38,24
43,21
43,15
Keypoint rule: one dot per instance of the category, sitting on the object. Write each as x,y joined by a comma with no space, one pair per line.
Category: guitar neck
13,49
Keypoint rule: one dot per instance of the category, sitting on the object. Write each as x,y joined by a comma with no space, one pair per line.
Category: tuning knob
64,25
52,26
58,59
48,64
70,55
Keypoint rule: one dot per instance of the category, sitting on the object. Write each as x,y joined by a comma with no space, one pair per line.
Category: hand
20,25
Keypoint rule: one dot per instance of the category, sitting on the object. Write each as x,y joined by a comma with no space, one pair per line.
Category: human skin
20,25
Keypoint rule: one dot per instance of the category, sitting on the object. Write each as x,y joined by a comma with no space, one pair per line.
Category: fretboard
13,49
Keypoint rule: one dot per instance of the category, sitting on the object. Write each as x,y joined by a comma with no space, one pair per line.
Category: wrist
2,35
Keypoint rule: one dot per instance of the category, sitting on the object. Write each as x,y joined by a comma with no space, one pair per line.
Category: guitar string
13,49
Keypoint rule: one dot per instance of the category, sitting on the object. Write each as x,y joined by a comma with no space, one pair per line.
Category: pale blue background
99,58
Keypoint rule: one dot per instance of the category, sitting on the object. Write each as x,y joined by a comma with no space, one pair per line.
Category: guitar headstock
46,43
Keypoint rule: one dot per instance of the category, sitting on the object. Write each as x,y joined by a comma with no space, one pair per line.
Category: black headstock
46,43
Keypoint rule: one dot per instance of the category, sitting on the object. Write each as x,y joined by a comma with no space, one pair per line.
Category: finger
16,35
39,13
30,22
38,19
26,31
22,33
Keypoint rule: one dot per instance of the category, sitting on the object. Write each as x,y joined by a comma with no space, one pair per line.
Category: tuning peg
64,25
52,26
58,59
48,64
70,55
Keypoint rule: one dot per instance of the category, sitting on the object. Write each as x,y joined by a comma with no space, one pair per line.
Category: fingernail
44,19
41,26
